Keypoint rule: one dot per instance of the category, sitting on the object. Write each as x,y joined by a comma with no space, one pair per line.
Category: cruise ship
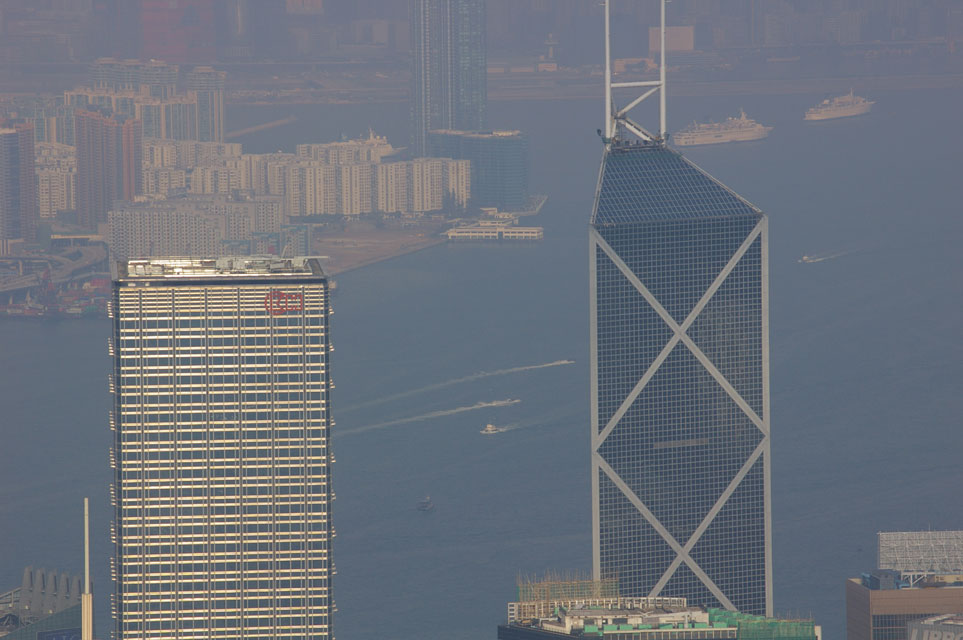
739,129
839,107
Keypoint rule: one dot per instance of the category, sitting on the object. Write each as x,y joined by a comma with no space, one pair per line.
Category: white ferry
489,429
739,129
840,107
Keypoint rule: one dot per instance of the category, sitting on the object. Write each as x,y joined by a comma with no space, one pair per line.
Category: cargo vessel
741,129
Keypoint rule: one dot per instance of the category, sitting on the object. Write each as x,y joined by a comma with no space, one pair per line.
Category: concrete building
207,86
221,455
173,117
109,163
192,225
157,79
945,627
880,605
164,182
56,167
920,575
371,149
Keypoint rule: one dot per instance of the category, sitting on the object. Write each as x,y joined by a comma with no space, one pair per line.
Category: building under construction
559,608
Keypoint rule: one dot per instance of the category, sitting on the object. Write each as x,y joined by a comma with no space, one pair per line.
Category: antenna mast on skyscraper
615,117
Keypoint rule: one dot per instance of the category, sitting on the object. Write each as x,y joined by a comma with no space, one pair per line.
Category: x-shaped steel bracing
679,335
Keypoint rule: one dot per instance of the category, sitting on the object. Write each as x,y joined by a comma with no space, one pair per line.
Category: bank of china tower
679,378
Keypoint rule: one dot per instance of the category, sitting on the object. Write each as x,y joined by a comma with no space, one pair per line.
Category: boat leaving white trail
818,258
454,381
428,416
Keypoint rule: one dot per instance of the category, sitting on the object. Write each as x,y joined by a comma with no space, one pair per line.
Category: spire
617,120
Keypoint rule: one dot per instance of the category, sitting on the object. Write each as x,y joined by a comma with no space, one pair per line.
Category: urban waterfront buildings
679,353
109,163
499,164
213,225
222,460
449,68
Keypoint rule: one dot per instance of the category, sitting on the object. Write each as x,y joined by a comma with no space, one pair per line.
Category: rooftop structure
653,619
137,270
916,554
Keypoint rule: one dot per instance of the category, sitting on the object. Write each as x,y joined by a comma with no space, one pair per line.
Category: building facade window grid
223,479
680,442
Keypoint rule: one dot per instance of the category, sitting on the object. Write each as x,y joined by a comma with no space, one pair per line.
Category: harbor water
867,365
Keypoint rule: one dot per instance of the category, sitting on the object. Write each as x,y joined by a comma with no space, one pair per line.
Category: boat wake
429,416
454,381
823,257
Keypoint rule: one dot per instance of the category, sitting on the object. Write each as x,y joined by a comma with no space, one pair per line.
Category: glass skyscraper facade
449,78
221,456
679,383
499,164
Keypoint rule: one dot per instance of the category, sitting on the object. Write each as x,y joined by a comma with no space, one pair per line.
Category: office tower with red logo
221,456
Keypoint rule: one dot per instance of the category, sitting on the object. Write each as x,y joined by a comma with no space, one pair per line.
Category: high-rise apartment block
680,383
18,182
156,78
193,225
56,166
221,455
449,68
207,85
109,163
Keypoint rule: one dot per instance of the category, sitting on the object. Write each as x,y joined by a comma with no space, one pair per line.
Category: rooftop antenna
87,598
616,119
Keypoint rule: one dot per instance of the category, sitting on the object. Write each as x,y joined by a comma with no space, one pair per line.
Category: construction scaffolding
541,598
553,587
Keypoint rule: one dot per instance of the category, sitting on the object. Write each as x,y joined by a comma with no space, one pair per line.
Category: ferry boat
489,429
426,504
739,129
840,107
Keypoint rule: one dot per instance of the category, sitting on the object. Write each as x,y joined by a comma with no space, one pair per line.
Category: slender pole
87,598
608,77
86,545
662,77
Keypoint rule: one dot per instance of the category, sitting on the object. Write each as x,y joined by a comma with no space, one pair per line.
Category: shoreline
376,257
543,86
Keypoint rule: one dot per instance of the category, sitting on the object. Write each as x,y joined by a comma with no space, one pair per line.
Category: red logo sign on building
278,303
